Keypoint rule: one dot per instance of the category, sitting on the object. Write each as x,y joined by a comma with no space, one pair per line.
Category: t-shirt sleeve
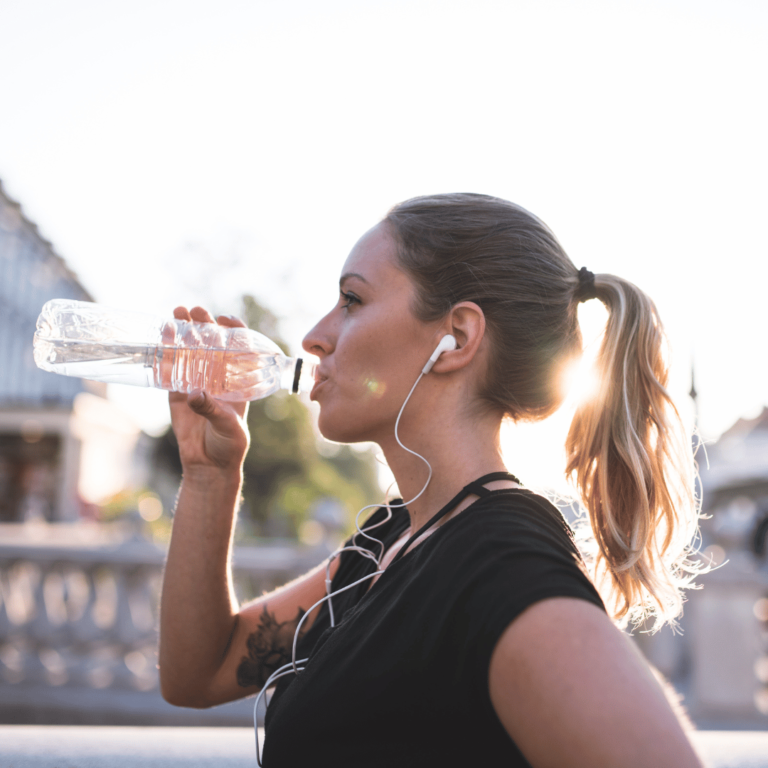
516,559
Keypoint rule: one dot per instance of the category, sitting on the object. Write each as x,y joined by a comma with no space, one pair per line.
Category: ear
466,322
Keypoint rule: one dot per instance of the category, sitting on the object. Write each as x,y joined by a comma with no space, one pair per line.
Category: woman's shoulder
512,549
517,514
515,537
512,536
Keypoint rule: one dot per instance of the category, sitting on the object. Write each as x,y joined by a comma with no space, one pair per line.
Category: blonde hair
627,450
631,460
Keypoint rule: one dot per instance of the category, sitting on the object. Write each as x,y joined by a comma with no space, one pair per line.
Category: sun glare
581,377
535,452
580,380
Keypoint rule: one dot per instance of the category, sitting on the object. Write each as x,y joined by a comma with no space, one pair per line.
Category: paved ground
76,746
37,746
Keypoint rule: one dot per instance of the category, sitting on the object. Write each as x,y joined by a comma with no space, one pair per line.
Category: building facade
39,446
719,659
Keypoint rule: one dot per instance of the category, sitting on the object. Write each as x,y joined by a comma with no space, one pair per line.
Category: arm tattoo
269,647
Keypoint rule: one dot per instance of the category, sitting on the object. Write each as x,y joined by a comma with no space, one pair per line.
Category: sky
181,151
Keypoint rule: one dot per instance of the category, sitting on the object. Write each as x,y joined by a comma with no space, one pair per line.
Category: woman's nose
318,341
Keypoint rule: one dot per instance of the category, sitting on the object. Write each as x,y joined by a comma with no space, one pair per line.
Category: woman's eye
348,299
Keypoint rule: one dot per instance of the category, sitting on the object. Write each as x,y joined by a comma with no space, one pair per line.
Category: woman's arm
571,690
212,651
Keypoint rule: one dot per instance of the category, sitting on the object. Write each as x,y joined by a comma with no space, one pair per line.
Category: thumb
204,405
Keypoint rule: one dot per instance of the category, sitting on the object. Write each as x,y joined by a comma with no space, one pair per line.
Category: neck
459,449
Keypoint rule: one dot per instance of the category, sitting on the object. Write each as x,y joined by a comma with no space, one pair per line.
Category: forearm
198,606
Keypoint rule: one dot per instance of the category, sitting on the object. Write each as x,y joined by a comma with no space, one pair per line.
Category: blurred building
720,660
79,602
738,467
731,612
59,438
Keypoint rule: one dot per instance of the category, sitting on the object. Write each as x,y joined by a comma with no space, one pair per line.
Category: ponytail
627,449
631,460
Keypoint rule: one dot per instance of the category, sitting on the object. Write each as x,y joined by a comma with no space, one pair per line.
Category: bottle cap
303,375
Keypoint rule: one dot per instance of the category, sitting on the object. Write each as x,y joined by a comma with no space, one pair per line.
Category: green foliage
285,476
120,503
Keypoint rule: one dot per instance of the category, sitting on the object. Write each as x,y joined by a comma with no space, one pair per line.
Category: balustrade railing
78,624
79,615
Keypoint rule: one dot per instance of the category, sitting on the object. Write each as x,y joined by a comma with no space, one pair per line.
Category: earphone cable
293,667
389,507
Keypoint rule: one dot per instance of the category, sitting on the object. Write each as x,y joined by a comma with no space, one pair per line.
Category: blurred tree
289,472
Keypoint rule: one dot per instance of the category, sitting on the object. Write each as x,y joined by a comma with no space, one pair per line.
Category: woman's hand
212,434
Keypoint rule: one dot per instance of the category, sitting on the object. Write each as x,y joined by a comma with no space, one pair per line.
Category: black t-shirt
402,679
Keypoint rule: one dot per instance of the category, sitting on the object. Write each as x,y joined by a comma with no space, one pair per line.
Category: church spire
694,395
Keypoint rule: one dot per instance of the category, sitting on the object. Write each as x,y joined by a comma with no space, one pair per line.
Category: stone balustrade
79,615
78,624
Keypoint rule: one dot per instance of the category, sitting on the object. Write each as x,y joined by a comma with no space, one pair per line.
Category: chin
339,435
342,430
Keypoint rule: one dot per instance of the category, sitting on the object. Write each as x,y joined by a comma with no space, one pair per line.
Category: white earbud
447,343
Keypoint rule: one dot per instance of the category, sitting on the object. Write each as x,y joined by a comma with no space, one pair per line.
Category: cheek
365,369
365,386
375,388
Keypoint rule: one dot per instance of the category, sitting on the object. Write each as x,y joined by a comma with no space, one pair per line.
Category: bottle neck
298,374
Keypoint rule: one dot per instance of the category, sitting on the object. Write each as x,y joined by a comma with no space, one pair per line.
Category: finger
230,321
182,313
208,403
201,315
204,405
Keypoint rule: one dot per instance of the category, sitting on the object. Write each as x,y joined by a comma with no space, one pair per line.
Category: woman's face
371,346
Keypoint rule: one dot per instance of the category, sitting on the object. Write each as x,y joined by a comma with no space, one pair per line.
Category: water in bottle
78,338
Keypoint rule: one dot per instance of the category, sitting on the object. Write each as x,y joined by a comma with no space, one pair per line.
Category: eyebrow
347,275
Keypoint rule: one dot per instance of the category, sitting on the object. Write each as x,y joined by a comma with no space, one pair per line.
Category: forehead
374,258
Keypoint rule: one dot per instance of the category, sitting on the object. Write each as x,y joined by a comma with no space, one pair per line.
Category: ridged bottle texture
90,341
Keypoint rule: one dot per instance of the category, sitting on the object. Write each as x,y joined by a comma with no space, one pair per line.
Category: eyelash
349,298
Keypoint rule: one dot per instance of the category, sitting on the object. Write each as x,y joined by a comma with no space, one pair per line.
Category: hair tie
586,287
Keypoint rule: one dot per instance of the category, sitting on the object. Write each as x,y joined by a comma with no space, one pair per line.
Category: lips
320,379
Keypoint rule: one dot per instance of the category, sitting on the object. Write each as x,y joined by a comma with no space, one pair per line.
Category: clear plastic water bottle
90,341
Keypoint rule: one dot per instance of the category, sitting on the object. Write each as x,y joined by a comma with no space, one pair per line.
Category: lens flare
375,387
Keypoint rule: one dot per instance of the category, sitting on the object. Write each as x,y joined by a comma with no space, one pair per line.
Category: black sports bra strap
477,489
476,486
491,476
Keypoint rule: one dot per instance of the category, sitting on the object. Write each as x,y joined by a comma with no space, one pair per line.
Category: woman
477,636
